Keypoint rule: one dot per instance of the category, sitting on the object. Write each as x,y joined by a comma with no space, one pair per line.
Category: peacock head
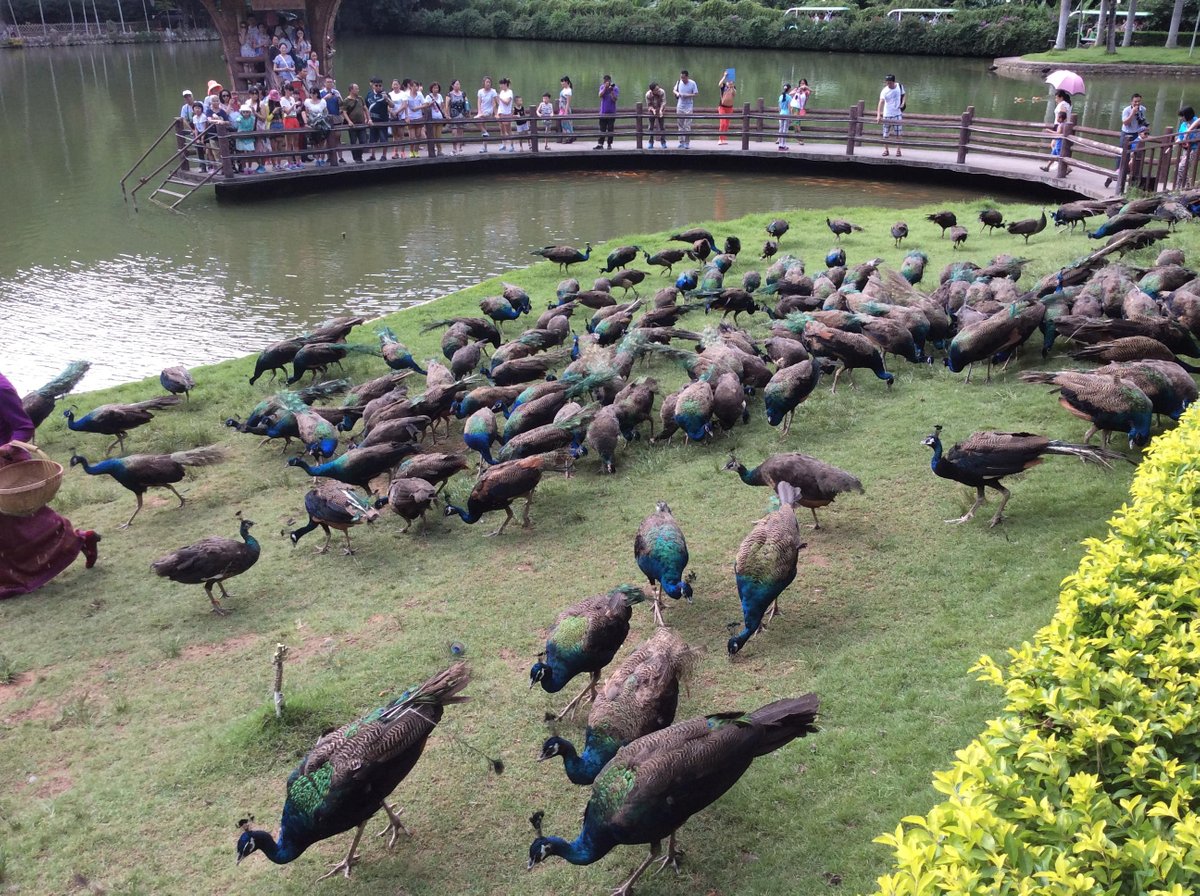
246,841
69,413
1139,436
297,462
77,459
555,746
934,439
736,643
540,672
543,846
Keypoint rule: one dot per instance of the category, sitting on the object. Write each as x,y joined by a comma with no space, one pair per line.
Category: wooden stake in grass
281,652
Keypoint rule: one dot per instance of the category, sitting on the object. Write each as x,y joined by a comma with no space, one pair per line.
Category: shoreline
52,37
1019,65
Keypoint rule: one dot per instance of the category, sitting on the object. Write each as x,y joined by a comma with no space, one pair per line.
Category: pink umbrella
1065,80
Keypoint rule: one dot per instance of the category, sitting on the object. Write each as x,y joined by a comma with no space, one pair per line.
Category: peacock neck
104,466
937,455
749,477
467,516
588,847
583,768
281,852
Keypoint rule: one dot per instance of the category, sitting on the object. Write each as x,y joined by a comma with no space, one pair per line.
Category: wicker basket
29,485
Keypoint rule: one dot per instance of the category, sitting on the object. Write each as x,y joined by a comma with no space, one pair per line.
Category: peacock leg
837,373
137,495
328,538
347,550
1087,437
658,605
772,612
1000,510
787,424
816,522
507,519
627,888
589,688
970,367
177,495
526,522
673,855
216,604
347,863
394,827
970,513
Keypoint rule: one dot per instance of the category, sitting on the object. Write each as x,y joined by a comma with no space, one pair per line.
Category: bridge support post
182,136
638,124
762,110
964,133
745,126
852,129
224,144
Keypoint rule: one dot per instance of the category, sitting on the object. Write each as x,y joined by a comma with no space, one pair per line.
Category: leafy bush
1089,781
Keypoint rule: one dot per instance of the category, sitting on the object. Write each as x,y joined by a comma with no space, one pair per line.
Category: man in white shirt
685,96
891,111
185,112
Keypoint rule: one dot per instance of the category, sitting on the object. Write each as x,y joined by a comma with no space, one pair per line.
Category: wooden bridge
990,153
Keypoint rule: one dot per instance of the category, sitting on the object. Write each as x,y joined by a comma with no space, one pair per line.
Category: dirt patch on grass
50,784
41,711
236,644
16,687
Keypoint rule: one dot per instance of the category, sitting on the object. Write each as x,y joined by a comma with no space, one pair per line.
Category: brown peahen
639,697
584,638
211,561
178,381
333,505
347,776
985,458
504,483
410,499
819,483
656,783
138,472
1109,403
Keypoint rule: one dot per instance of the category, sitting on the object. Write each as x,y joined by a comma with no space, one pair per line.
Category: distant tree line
975,30
179,14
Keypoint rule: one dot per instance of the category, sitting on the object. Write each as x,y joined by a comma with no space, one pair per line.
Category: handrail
960,135
170,129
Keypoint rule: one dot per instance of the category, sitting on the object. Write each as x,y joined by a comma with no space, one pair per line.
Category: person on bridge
1133,127
1059,130
505,101
565,94
785,102
656,103
457,108
798,106
1187,135
685,98
609,93
725,105
377,108
485,108
890,111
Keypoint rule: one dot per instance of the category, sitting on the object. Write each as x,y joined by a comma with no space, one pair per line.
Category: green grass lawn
138,727
1123,56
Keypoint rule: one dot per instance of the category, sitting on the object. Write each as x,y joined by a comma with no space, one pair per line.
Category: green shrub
1089,781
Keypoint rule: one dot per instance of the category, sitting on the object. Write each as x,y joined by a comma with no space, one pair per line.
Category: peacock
653,785
315,357
177,381
138,472
349,773
840,228
409,499
998,334
943,219
395,353
777,228
276,356
335,329
320,437
1110,403
504,483
987,457
693,411
39,404
639,697
620,257
1028,226
662,555
958,235
480,433
584,638
333,505
1120,223
766,564
567,432
499,309
564,256
899,232
1168,386
359,465
852,349
991,219
770,247
666,259
118,419
787,390
819,483
211,561
603,435
433,467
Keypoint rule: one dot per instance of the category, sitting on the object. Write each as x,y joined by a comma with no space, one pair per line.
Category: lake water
83,275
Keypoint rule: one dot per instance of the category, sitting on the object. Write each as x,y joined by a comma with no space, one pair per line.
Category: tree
1173,31
1130,18
1064,19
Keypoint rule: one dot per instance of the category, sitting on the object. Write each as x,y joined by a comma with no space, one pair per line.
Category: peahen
315,357
138,472
118,419
639,697
359,465
504,483
333,505
853,349
584,638
819,483
564,256
335,329
662,555
211,561
349,773
276,356
39,404
840,228
177,381
409,499
990,218
899,232
693,411
958,235
987,457
943,219
770,247
1108,402
666,259
603,436
766,564
1028,226
656,783
777,228
620,257
433,467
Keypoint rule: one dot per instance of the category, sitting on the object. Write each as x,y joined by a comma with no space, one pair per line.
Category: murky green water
83,275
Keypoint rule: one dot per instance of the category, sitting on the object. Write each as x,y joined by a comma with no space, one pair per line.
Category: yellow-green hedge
1089,782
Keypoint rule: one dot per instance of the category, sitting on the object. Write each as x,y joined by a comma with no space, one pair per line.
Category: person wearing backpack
890,111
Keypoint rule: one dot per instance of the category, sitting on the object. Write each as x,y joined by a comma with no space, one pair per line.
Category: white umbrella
1065,80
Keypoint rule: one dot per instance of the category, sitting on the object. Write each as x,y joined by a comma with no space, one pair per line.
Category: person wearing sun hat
213,97
185,111
244,122
890,111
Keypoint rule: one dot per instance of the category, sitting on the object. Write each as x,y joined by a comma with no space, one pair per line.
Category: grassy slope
1123,56
139,731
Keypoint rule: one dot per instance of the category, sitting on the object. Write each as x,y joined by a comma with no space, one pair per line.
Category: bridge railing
1155,163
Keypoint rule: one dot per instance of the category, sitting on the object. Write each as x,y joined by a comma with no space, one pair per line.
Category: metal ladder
177,185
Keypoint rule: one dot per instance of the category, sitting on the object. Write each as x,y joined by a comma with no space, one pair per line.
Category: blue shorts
891,126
